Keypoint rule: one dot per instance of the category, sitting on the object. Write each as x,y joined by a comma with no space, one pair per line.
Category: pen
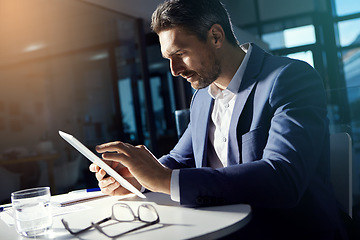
3,207
86,190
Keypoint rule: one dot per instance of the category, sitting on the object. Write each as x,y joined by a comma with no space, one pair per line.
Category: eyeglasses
121,212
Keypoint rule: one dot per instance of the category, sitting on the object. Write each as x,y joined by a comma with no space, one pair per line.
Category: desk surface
176,222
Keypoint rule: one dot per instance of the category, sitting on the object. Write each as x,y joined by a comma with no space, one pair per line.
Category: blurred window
349,32
292,37
306,56
127,108
346,7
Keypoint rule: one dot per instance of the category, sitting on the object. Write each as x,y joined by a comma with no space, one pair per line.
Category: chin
197,87
194,86
199,83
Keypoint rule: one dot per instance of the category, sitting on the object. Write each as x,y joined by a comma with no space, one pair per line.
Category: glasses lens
147,213
123,213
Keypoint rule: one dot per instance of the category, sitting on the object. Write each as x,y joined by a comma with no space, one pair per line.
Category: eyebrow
172,53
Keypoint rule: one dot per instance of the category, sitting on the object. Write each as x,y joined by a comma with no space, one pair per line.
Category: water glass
32,211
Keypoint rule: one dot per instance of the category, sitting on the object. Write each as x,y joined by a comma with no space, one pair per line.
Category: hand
109,185
140,163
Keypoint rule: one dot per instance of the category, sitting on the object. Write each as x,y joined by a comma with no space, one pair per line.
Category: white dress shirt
219,125
224,101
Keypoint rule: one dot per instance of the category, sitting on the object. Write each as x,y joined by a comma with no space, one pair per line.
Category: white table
176,222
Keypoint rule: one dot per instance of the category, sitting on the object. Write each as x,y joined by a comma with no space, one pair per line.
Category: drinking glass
32,211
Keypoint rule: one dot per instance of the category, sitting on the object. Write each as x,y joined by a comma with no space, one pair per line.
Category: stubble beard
207,77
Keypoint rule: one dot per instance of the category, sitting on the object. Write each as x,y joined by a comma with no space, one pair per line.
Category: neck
230,57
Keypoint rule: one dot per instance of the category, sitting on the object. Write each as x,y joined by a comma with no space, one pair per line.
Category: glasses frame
136,218
112,217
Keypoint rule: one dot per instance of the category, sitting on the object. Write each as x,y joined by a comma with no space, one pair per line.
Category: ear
217,35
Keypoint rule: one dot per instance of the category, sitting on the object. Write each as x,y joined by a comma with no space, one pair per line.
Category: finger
100,174
94,168
106,182
113,147
110,189
118,157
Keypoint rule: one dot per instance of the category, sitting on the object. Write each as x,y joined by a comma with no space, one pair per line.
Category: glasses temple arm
85,229
96,226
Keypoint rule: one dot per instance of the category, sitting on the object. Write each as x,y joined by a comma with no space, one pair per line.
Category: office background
94,69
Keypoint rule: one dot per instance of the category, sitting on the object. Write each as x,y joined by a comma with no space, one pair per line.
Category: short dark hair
196,16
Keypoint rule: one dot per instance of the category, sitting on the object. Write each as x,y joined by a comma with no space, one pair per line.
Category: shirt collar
234,84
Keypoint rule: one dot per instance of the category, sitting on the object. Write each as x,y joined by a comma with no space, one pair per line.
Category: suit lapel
247,85
201,113
233,150
200,127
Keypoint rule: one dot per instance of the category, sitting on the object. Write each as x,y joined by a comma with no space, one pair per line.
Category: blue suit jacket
278,158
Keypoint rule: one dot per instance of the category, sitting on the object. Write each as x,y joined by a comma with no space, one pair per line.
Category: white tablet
95,159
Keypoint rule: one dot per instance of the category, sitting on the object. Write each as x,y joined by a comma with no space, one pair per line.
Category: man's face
189,57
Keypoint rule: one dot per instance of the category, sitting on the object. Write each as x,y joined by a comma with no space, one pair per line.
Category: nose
176,67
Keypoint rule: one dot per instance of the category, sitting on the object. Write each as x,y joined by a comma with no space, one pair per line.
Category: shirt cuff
174,185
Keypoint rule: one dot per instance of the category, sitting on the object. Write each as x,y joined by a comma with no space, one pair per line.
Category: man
258,131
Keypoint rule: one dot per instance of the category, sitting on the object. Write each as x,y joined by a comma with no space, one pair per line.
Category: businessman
258,131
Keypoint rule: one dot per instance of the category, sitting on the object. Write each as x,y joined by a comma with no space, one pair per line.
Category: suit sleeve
295,143
182,155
